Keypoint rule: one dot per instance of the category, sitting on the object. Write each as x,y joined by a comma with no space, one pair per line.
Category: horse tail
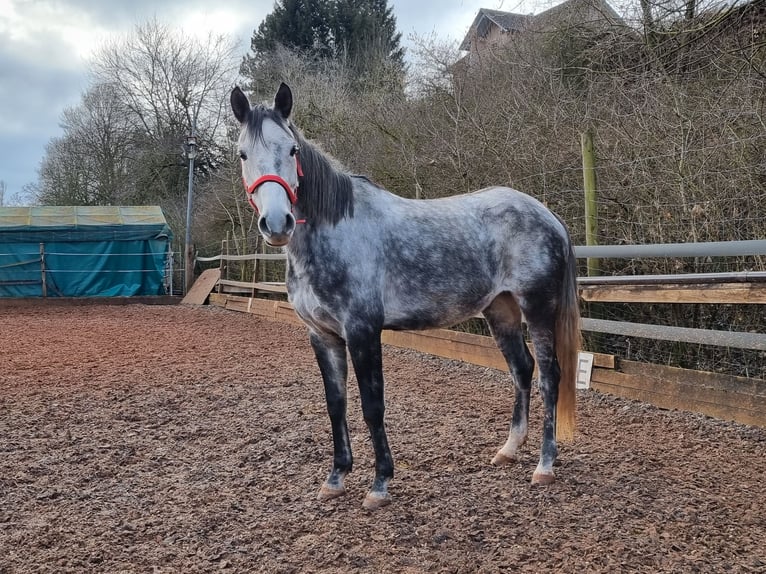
568,340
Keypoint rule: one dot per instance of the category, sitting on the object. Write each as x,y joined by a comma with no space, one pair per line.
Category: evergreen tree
302,25
364,33
361,34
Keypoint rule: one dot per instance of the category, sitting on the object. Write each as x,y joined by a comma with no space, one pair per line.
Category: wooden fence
741,399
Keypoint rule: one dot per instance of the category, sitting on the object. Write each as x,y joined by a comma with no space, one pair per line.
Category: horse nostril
263,226
290,224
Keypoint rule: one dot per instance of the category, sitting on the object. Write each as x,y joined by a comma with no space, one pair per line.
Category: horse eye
242,155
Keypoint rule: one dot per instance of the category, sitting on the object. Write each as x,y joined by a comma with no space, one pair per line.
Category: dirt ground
174,439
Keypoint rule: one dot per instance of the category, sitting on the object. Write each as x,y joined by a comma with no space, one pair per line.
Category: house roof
509,21
577,10
506,21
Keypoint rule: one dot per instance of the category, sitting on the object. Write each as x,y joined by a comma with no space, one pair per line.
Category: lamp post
191,153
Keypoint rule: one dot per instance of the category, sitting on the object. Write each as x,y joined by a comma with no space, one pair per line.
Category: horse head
270,165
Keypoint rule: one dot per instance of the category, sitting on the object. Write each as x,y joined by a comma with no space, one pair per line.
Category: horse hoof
541,479
374,501
502,459
328,493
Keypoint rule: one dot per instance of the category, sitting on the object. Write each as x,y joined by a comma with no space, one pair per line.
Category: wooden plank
708,379
231,283
268,309
237,305
444,345
202,287
730,398
476,349
272,287
746,293
721,293
258,307
249,257
283,311
217,299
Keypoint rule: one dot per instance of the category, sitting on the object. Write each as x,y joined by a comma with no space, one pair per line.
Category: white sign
584,369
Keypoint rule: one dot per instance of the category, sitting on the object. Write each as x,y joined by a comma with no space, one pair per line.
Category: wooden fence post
221,263
591,206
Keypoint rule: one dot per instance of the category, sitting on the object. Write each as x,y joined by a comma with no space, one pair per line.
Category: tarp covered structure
79,251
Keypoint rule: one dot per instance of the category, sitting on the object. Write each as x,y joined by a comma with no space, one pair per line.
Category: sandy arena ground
174,439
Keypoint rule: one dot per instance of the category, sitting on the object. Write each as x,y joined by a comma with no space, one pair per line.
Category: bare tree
63,177
123,143
99,141
170,82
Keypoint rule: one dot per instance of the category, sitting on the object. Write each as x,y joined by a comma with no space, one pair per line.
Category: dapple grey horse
361,259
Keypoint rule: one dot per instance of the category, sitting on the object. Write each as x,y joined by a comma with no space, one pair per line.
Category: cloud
45,46
49,32
41,74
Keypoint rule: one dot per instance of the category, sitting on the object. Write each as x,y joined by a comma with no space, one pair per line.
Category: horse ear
240,105
283,102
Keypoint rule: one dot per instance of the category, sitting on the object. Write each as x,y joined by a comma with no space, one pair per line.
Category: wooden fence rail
740,399
736,288
736,398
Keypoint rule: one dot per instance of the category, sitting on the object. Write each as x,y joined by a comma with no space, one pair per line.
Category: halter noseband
252,188
292,194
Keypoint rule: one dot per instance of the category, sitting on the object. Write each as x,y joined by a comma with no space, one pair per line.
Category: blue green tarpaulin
68,251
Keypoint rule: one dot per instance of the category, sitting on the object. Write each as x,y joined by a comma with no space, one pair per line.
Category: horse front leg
330,353
367,358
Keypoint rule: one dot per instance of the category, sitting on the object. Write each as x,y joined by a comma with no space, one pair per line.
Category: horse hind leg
504,318
541,326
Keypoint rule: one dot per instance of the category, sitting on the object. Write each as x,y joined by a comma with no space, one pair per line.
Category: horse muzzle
277,228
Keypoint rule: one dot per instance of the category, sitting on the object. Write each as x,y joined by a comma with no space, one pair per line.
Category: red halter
292,194
251,189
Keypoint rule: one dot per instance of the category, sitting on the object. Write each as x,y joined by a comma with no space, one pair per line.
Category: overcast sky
45,46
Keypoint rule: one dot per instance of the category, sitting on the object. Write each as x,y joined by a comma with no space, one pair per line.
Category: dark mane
326,192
